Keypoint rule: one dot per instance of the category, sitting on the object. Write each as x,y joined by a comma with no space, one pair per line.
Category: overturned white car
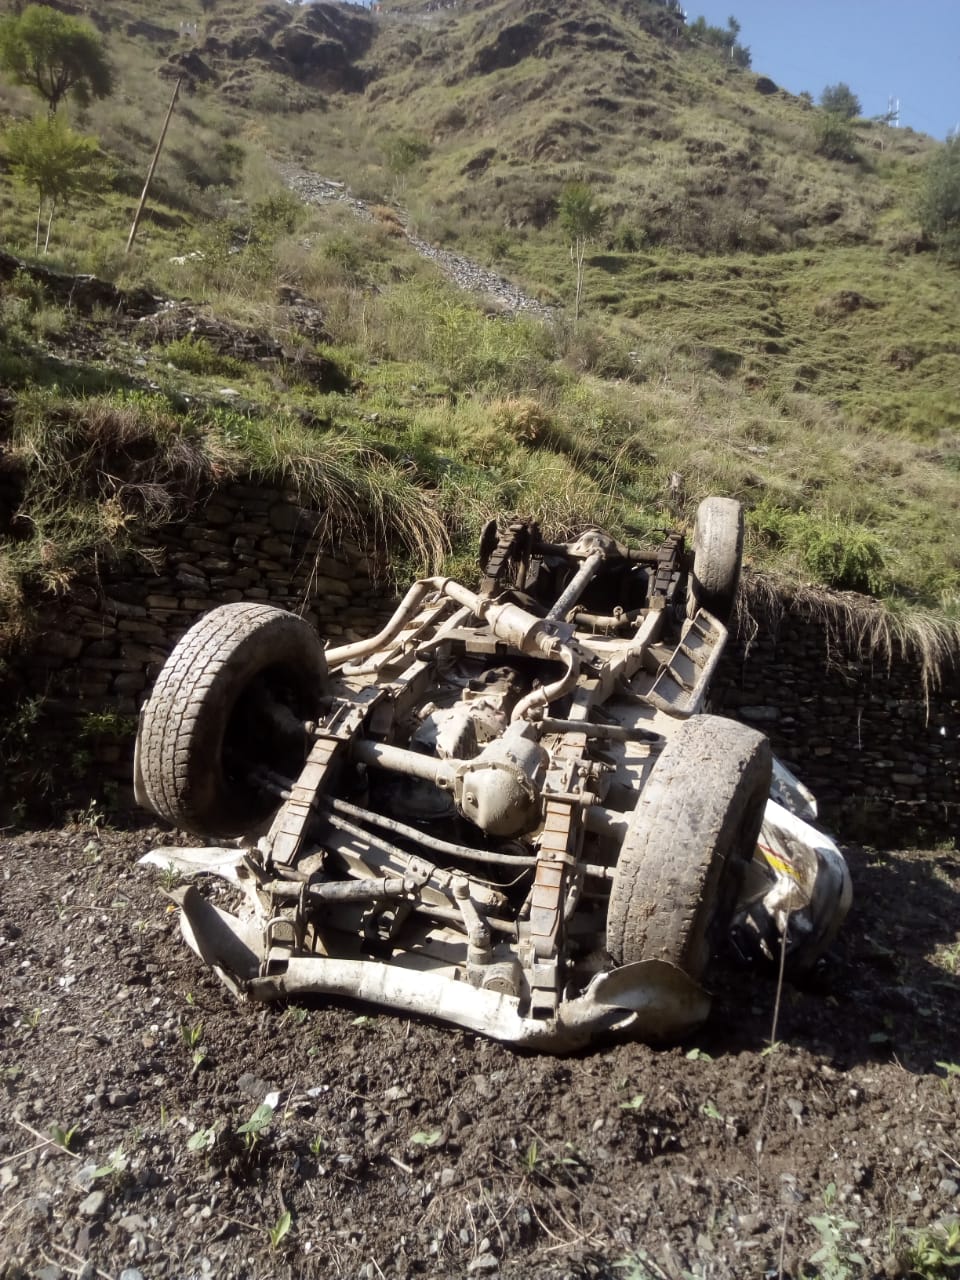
506,810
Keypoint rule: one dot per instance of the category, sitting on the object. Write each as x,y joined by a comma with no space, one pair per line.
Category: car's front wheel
231,698
687,844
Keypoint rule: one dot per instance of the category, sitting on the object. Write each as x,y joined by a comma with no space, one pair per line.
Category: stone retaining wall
71,698
882,759
884,762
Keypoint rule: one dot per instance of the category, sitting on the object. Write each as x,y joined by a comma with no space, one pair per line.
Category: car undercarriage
508,809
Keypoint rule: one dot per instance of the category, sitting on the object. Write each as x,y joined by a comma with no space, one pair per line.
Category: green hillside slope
759,318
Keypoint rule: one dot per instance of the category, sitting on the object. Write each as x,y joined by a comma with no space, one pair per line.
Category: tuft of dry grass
856,624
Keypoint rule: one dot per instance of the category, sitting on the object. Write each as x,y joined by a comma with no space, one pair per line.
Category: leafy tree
58,163
840,100
722,38
835,138
582,220
940,199
403,151
55,54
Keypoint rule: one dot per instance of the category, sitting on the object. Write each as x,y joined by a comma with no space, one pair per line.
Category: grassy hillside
759,318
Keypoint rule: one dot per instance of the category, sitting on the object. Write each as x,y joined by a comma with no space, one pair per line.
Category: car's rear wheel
717,556
232,697
687,844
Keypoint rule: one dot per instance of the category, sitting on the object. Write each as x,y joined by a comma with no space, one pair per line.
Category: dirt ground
400,1149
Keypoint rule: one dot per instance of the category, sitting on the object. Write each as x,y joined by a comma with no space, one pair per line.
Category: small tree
582,221
834,137
55,55
840,100
58,163
940,200
402,153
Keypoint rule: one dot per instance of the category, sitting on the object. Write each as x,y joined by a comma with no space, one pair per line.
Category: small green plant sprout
532,1157
709,1109
63,1137
571,1158
836,1259
934,1252
116,1163
635,1103
191,1037
296,1014
91,817
169,879
253,1129
637,1267
280,1229
317,1144
697,1055
952,1073
426,1137
32,1020
202,1140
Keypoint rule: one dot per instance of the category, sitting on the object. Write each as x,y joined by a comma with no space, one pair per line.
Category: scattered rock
93,1204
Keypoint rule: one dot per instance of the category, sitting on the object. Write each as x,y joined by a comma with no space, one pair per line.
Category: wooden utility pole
153,165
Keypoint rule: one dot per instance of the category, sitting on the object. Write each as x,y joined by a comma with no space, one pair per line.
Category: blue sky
880,48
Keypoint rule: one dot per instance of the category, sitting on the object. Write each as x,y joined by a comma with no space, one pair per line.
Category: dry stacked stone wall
883,759
73,693
881,754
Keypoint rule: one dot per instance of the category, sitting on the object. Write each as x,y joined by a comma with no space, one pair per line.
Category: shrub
403,151
840,100
521,418
196,355
388,218
940,200
834,137
834,552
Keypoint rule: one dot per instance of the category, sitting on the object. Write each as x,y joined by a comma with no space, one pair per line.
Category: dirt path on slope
400,1149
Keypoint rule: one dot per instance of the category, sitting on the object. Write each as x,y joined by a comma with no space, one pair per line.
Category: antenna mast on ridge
893,112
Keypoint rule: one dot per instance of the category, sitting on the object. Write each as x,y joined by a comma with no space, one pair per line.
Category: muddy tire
717,556
687,845
232,695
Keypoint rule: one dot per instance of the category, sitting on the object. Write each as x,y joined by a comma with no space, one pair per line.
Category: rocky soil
131,1144
464,273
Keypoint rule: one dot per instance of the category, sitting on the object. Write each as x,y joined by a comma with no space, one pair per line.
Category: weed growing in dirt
169,879
638,1267
202,1140
426,1137
252,1130
836,1259
191,1037
280,1229
115,1166
64,1137
934,1252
